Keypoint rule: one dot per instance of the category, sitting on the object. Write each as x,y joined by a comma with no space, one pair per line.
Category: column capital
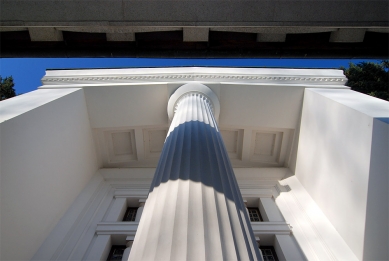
142,202
193,87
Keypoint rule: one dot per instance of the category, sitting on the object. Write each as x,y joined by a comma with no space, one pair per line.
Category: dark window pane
268,253
254,214
130,214
116,253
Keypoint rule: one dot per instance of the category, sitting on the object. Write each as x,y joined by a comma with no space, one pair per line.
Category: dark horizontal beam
171,44
338,13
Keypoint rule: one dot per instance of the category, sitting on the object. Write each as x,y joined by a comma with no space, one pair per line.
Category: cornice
225,75
180,77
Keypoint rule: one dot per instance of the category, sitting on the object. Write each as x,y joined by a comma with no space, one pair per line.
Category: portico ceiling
259,109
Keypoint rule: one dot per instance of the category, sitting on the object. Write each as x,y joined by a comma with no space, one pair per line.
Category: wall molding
186,77
186,74
129,228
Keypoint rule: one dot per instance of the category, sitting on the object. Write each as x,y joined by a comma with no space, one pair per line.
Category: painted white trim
129,228
185,74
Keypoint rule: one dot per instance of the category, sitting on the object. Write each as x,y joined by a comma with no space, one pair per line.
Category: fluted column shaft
194,210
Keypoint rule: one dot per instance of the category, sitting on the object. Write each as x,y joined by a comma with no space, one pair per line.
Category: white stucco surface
47,158
377,211
266,106
334,162
115,106
20,104
313,231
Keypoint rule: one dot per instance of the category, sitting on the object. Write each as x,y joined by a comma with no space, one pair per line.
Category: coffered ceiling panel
120,146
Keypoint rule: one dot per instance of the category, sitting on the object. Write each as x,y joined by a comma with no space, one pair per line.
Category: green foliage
369,78
7,88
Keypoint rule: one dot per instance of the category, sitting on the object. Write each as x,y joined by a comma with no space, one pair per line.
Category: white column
194,210
259,244
245,205
269,210
127,251
140,209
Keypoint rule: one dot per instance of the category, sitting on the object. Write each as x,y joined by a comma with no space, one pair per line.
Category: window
254,214
130,214
268,253
116,253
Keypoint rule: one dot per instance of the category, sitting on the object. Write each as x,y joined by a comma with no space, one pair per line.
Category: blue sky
27,72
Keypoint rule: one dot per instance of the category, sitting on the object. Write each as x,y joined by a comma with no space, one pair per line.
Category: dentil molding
184,74
194,76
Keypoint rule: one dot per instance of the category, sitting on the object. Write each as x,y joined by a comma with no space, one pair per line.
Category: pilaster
270,210
117,210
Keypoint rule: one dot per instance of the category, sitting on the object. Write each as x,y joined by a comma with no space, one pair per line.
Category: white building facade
78,157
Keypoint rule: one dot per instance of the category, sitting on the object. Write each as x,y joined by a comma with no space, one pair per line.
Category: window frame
273,251
258,211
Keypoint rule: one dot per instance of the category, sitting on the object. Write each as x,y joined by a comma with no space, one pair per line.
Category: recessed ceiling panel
120,145
266,146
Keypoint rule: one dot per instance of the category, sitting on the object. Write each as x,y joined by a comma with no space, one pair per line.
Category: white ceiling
259,109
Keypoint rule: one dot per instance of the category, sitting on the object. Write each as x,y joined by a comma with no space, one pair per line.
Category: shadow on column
194,210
